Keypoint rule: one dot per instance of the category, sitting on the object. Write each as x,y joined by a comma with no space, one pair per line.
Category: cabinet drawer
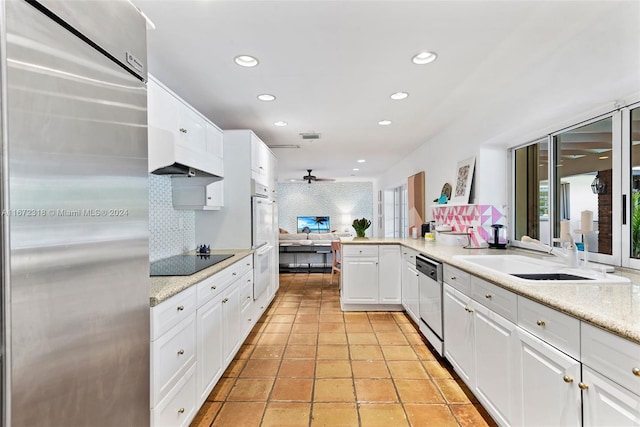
169,313
212,286
360,250
246,291
614,357
179,407
495,298
171,356
408,255
550,325
457,278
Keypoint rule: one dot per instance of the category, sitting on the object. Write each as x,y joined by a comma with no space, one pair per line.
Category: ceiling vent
310,135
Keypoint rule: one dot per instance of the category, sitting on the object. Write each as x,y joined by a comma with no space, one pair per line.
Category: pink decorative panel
461,217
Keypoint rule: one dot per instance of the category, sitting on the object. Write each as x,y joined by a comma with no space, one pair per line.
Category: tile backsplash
460,217
171,231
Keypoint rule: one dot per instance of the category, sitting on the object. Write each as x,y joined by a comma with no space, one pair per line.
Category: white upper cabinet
179,134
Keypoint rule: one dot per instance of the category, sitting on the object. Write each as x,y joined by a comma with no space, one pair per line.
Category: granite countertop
613,307
164,287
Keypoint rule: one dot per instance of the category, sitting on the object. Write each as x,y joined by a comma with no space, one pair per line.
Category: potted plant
361,225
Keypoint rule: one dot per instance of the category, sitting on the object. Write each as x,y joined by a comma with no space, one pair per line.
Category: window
559,177
633,142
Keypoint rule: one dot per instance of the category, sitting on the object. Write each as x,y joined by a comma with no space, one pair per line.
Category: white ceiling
333,65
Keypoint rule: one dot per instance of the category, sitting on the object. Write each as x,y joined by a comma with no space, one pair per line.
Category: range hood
170,156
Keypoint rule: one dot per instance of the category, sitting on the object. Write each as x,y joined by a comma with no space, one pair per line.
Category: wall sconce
598,186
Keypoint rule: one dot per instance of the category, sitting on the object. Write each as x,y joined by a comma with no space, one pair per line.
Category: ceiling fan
309,178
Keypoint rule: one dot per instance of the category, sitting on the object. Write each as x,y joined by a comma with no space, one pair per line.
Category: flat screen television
313,224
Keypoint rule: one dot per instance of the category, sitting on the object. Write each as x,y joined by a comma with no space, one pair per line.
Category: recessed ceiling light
356,169
399,95
280,123
361,160
384,122
424,58
246,61
266,97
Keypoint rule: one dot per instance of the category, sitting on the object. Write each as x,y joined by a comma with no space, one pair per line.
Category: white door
606,403
360,280
231,321
549,384
209,346
389,275
459,334
496,344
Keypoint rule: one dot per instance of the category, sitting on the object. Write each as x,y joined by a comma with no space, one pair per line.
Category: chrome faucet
568,253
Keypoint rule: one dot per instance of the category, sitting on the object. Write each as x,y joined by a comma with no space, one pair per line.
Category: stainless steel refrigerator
75,263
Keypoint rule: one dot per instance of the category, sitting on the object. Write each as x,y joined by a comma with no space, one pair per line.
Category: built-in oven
262,267
430,306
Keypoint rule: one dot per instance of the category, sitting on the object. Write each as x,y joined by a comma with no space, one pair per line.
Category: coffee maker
498,236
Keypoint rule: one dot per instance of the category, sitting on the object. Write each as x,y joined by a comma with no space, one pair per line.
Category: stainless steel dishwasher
430,308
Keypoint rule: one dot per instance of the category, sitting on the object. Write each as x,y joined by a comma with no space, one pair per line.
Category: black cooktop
185,265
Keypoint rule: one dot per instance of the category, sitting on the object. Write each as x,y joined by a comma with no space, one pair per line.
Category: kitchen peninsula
543,353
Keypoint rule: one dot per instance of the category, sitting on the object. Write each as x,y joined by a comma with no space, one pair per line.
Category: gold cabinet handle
234,274
225,300
183,130
181,411
453,277
567,379
582,386
248,296
540,323
488,296
248,264
213,287
181,352
636,372
469,310
249,320
180,307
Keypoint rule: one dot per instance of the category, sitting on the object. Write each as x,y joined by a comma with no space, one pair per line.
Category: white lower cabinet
210,356
495,360
180,406
371,275
530,365
410,290
605,403
459,336
548,380
195,335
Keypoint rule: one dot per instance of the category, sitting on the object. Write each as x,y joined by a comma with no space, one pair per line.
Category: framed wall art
464,178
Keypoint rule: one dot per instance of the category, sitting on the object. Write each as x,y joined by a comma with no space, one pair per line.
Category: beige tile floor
306,363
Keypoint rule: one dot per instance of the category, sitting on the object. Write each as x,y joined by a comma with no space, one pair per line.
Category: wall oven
430,306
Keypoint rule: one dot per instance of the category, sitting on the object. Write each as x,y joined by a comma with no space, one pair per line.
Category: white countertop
164,287
613,307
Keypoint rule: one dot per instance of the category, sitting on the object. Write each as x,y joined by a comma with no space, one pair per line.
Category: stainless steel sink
535,270
551,276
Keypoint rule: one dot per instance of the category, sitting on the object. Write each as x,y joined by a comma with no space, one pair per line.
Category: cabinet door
210,333
231,320
496,342
215,144
192,129
410,291
360,280
459,341
606,403
389,291
549,383
162,108
215,195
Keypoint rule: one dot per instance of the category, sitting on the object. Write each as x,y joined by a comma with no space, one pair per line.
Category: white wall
342,201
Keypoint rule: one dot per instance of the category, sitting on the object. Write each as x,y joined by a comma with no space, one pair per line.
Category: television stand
305,258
